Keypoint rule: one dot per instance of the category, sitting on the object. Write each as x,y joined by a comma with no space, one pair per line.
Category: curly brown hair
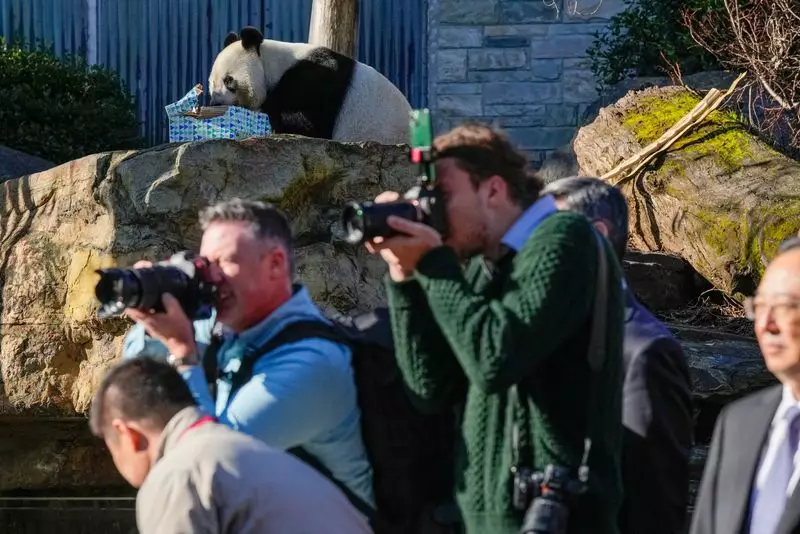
483,152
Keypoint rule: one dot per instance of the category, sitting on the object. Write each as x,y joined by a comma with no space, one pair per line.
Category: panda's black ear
232,37
252,39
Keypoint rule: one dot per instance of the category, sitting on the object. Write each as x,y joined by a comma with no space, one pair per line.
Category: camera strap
596,357
293,332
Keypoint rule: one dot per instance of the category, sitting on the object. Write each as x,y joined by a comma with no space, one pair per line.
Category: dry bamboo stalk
207,112
666,140
701,111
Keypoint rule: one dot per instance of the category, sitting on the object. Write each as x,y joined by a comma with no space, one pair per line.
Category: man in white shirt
201,477
751,473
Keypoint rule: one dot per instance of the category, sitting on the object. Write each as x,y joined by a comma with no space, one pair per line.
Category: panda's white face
237,78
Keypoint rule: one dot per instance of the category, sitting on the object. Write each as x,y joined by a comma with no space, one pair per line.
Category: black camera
365,220
184,276
422,203
545,497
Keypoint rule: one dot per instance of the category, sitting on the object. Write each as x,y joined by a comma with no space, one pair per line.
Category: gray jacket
210,479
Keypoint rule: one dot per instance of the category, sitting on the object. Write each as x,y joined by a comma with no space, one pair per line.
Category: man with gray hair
750,479
657,402
299,395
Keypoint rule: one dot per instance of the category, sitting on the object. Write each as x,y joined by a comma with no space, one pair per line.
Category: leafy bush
637,37
62,109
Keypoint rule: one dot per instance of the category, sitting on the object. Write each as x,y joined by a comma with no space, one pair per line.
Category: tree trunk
334,23
720,197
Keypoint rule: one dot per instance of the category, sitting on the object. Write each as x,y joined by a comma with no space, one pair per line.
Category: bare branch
773,94
761,37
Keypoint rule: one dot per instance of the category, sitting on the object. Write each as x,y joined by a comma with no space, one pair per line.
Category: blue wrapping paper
235,123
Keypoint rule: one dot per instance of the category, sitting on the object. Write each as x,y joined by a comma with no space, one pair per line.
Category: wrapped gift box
189,122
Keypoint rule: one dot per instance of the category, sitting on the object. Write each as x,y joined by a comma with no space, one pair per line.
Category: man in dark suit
657,401
750,476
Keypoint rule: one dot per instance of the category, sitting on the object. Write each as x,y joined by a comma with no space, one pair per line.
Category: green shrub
637,37
62,109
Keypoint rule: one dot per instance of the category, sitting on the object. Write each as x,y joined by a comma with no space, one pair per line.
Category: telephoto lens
138,288
184,276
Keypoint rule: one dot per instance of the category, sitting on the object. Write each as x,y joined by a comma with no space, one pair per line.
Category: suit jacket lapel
790,520
746,437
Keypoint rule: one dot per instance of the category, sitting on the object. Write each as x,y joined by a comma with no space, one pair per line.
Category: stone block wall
518,64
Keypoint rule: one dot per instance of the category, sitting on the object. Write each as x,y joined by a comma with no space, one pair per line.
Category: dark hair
267,221
597,200
139,389
483,152
791,243
558,165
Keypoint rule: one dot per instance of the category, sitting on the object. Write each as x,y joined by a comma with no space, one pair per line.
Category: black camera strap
596,357
296,331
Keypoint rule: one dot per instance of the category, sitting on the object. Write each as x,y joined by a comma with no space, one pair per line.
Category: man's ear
275,259
129,434
498,188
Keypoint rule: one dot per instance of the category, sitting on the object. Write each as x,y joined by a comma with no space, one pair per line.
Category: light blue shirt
302,393
523,227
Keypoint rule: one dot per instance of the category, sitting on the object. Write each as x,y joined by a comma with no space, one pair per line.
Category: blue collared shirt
523,227
302,393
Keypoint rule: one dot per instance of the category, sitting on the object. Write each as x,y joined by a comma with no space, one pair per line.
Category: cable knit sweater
463,338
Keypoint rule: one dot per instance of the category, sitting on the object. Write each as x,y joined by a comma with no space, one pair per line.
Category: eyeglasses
781,311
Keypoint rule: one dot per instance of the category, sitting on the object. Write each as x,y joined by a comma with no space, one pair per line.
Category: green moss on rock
311,186
756,236
721,134
778,223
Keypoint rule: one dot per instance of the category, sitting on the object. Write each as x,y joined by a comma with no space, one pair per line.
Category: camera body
366,220
184,275
422,203
545,497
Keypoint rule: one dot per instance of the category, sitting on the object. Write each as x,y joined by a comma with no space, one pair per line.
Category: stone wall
519,64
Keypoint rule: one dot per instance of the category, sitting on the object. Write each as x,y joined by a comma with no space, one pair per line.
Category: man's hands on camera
172,327
402,253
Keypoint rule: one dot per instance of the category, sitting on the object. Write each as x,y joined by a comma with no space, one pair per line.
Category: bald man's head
776,311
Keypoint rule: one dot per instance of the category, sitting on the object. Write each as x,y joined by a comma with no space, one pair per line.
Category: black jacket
740,434
657,415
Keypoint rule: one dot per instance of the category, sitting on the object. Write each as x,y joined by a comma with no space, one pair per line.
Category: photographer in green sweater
494,321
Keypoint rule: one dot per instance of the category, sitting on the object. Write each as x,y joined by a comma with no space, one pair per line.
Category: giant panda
308,90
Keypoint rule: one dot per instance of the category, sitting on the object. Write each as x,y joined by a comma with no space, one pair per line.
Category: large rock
58,226
14,164
723,367
720,197
61,225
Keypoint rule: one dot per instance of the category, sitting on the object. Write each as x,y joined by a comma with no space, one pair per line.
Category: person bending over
196,475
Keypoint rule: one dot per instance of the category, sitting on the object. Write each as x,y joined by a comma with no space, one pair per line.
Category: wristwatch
176,361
